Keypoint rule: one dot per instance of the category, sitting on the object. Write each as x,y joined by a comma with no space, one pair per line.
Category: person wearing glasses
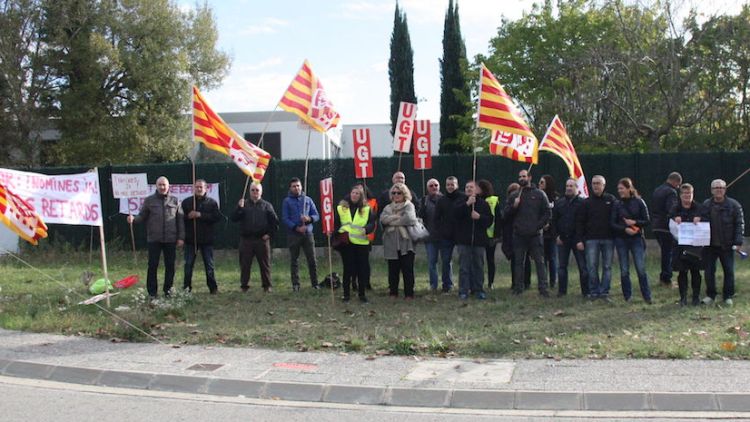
398,247
258,224
594,236
687,258
354,216
445,220
199,230
385,197
432,244
727,228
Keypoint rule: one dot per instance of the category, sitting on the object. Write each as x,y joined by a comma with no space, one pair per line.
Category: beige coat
395,217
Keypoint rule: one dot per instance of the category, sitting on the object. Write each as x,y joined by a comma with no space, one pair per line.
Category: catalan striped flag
557,141
496,111
306,98
211,130
20,217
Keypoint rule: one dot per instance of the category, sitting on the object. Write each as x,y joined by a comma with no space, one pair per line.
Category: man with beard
445,222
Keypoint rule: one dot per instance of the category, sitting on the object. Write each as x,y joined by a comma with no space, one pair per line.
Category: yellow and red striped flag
215,134
557,141
306,98
20,217
511,135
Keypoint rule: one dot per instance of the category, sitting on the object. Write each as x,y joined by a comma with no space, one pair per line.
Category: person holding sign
199,234
727,228
687,258
165,231
354,217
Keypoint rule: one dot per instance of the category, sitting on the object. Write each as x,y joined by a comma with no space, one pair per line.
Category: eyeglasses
254,190
433,185
396,192
718,187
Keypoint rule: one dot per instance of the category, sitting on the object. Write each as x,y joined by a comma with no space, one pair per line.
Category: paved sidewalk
387,380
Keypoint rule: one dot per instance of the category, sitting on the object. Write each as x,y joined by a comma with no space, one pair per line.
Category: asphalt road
34,400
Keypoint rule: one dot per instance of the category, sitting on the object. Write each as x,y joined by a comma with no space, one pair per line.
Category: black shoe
316,286
683,301
696,301
295,287
543,293
648,301
363,299
561,294
345,299
244,288
214,292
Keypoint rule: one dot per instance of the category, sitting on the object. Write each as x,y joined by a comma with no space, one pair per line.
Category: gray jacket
395,236
163,217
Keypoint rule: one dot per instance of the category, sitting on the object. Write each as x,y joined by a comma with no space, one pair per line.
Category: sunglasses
395,192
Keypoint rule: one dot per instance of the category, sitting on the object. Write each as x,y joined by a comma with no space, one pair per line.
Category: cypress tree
400,66
454,90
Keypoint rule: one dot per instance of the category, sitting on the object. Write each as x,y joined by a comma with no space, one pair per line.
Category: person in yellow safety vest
372,202
488,193
354,218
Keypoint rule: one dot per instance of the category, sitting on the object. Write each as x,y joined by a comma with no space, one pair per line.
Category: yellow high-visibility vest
356,228
492,202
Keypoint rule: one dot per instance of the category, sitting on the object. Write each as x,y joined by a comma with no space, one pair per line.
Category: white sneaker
707,300
729,302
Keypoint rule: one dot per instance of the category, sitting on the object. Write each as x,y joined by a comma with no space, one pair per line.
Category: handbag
340,240
418,231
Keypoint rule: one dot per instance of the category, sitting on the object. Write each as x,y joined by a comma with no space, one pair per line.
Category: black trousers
404,265
255,247
155,250
356,259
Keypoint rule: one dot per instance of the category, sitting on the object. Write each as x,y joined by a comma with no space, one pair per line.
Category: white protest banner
691,234
130,185
422,146
407,112
133,205
61,199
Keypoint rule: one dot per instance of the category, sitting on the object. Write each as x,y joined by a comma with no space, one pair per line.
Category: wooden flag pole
423,191
260,144
307,158
330,270
738,177
132,240
91,245
104,251
195,222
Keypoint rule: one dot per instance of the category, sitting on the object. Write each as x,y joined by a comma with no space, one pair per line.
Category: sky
348,44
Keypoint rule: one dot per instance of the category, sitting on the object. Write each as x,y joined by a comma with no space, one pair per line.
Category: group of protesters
532,224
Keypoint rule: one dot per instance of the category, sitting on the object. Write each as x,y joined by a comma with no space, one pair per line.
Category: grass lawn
433,324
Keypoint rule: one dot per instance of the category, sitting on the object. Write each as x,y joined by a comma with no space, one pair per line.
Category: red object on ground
127,282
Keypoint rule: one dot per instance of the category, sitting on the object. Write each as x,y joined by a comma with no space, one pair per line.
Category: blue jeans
550,258
471,269
595,248
445,249
637,247
207,251
563,256
726,258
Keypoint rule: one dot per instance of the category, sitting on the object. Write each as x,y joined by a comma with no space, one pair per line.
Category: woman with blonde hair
355,218
398,247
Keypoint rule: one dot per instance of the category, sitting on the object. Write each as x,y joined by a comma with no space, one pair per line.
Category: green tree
454,90
23,82
113,76
400,66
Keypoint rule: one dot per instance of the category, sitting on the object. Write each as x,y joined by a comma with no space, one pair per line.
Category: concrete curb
386,395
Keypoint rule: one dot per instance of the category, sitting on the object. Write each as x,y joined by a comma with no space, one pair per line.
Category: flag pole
104,250
330,270
192,162
307,157
738,177
423,192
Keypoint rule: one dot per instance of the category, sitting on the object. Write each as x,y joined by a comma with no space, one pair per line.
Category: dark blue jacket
564,217
665,197
292,210
731,221
631,208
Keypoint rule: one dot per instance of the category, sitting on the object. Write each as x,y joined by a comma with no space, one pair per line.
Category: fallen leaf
326,344
627,333
548,341
559,312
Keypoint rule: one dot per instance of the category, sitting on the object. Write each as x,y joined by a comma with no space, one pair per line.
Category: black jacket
532,213
731,221
257,219
592,219
564,217
427,211
687,214
664,198
549,231
204,225
632,208
469,231
445,217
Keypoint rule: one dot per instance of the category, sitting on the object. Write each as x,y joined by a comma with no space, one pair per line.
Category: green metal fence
646,170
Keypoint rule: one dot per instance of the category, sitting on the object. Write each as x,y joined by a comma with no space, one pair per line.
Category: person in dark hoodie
629,219
445,221
201,214
427,208
258,224
354,216
664,199
687,258
298,213
530,212
474,217
594,236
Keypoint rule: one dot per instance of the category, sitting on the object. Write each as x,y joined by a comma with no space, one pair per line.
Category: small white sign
691,234
134,185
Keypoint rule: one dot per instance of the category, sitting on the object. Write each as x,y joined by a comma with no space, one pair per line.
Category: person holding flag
203,213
